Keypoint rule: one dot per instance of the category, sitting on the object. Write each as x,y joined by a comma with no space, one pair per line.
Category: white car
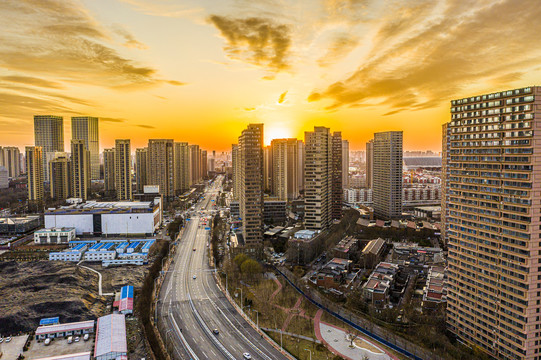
247,356
194,277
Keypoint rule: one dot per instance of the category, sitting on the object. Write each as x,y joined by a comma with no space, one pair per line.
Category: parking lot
58,347
12,349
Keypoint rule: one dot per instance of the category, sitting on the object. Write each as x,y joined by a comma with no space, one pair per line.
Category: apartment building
60,174
34,167
80,169
182,167
161,166
493,222
109,171
285,162
387,174
86,128
123,181
141,166
49,135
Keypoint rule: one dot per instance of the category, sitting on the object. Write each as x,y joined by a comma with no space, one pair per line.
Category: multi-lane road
191,306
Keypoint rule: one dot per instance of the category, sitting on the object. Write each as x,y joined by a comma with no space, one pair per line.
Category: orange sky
200,70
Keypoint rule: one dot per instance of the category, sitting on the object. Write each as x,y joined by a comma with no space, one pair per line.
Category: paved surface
336,340
189,309
12,349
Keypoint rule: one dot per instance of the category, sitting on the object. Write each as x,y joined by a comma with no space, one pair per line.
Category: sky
201,70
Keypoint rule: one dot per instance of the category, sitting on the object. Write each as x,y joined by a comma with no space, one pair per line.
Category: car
193,249
76,339
194,277
86,337
247,356
1,340
215,331
47,341
8,339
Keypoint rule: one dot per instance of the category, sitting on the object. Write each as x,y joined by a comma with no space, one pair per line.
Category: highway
189,308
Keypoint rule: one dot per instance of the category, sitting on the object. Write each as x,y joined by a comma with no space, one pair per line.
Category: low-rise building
274,211
111,337
77,356
19,225
347,248
4,178
373,252
415,255
435,290
64,330
127,218
377,288
333,275
54,236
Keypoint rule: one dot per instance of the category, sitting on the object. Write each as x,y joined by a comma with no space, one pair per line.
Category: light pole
257,318
240,297
310,351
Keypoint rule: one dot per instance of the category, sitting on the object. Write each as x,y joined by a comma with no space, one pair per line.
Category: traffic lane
194,335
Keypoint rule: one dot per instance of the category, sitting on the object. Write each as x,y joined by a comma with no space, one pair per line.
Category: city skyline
355,66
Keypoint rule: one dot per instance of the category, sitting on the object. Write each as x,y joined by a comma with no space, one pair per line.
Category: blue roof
49,321
96,246
126,292
107,246
122,246
147,245
133,245
79,247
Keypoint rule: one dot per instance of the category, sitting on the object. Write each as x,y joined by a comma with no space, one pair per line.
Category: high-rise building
204,164
235,160
493,150
195,164
141,166
49,135
369,164
387,174
161,166
182,167
251,184
86,128
300,164
123,181
60,176
268,169
336,176
445,157
10,158
34,167
285,184
109,171
80,169
345,163
317,178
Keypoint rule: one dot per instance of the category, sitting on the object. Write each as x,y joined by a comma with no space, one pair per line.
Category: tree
240,258
251,267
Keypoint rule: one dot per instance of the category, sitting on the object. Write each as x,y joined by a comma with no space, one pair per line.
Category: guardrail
349,322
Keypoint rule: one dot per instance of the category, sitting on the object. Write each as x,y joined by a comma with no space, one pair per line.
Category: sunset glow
200,70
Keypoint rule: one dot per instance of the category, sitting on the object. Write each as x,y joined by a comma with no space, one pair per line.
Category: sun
276,132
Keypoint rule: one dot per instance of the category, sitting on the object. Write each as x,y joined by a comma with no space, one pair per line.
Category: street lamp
240,297
310,351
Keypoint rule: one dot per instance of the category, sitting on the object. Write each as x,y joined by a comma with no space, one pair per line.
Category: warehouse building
64,330
78,356
18,225
54,236
111,337
124,300
122,218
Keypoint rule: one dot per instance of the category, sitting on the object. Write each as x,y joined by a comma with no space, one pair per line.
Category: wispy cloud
341,45
282,97
129,40
146,126
113,120
30,80
163,8
424,64
258,41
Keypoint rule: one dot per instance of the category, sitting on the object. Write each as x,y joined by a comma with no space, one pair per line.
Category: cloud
59,38
129,39
249,109
255,40
282,97
34,81
341,45
114,120
163,8
176,83
459,46
145,126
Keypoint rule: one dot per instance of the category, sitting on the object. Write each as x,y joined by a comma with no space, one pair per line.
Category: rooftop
78,356
48,329
111,335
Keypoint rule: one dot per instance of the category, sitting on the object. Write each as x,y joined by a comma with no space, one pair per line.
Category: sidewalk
336,340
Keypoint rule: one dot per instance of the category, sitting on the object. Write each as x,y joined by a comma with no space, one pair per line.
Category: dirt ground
34,290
